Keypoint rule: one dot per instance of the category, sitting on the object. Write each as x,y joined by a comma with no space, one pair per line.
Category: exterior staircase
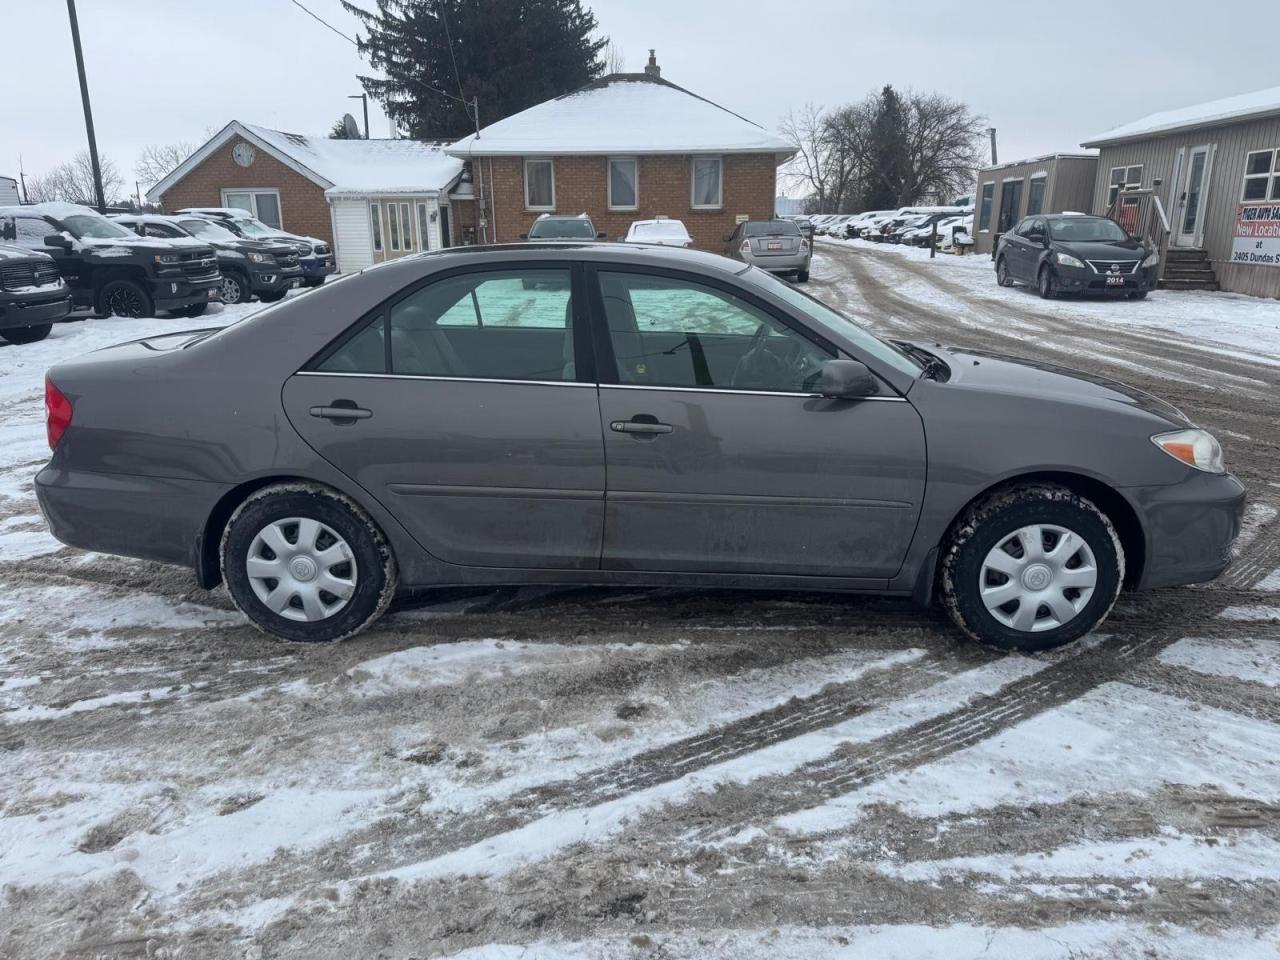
1187,268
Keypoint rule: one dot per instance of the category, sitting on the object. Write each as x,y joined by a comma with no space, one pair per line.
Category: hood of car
9,252
1102,250
1016,377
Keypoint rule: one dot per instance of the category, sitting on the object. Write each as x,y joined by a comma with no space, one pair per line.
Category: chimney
651,69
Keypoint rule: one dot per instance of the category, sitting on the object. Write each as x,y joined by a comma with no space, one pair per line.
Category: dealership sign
1257,234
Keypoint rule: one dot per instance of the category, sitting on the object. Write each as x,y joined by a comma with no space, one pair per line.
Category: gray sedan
773,245
621,414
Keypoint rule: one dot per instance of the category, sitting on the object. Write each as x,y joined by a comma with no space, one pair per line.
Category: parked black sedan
1073,253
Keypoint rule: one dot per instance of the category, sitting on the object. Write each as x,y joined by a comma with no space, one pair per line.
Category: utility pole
992,132
363,98
88,112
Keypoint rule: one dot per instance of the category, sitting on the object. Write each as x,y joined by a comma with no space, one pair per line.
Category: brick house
625,147
373,200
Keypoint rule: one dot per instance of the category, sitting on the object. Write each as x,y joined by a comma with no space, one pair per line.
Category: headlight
1195,448
166,258
1067,260
1152,259
261,257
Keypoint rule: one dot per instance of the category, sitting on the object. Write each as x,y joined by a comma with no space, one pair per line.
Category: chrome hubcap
301,569
1038,578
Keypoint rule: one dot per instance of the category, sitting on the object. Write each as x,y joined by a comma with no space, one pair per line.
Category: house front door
395,231
1193,197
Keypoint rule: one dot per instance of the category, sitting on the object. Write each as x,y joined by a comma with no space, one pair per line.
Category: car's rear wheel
125,298
1138,295
1002,273
304,562
1047,284
802,276
27,334
1031,567
195,310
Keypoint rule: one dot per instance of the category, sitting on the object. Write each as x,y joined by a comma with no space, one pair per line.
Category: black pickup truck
111,269
32,295
250,268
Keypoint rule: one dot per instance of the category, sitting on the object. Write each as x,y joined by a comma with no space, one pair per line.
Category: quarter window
1122,177
678,333
707,186
539,185
623,184
984,208
1262,176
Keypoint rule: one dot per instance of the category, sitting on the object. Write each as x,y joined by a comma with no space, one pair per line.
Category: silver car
773,245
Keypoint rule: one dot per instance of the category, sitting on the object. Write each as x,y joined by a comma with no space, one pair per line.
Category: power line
444,18
321,20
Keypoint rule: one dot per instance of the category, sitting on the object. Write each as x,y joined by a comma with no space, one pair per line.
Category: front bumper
318,267
1190,527
173,293
1088,281
36,307
274,279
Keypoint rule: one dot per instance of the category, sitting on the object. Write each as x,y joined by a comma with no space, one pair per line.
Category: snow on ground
559,773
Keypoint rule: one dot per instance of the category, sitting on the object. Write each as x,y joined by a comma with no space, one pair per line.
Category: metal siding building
1063,181
1219,148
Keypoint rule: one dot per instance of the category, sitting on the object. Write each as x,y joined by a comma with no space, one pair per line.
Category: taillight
746,247
57,412
804,245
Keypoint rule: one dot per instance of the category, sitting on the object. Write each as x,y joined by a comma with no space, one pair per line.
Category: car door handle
635,425
341,412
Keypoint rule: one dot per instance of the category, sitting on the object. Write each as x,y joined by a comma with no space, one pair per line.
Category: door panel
489,474
760,483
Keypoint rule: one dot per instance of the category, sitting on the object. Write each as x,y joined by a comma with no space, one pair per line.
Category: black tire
1002,273
1138,295
313,282
993,520
802,276
1046,283
27,334
272,297
234,288
124,298
195,310
375,570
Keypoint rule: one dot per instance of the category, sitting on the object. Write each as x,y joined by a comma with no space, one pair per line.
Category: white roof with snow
337,166
622,114
1246,106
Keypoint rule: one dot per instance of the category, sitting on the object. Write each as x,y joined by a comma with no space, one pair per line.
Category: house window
984,208
707,177
1262,175
263,204
539,185
424,226
623,183
1035,195
393,227
375,217
406,226
1010,202
1122,177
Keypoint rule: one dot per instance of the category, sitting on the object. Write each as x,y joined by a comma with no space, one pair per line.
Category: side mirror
601,235
57,240
847,380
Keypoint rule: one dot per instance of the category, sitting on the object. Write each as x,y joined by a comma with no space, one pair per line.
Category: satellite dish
351,128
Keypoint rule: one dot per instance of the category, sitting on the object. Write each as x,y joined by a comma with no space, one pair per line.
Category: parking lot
659,773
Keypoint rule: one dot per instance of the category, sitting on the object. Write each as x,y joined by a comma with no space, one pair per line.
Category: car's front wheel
27,334
304,562
1046,284
234,288
125,298
1002,273
1031,567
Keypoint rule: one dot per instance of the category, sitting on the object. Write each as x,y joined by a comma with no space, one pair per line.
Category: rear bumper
1190,527
152,518
787,264
29,309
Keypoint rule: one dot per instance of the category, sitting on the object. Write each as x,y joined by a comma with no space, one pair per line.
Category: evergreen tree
339,131
509,55
886,154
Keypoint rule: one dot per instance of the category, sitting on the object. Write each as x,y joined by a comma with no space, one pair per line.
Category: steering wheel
758,368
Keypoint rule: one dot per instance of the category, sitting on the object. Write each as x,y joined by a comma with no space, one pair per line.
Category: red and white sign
1257,234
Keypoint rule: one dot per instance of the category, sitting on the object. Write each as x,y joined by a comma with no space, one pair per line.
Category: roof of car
585,249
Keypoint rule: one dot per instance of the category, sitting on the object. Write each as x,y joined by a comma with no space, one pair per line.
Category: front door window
1193,202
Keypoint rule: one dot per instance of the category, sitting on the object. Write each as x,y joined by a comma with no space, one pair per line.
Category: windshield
253,228
206,230
770,228
1086,229
92,226
575,229
827,319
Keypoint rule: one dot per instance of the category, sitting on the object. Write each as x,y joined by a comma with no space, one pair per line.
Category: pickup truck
32,295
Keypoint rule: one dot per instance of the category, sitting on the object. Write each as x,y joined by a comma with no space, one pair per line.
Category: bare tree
158,159
943,146
615,61
72,181
808,170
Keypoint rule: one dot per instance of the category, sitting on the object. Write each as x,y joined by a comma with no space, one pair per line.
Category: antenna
350,127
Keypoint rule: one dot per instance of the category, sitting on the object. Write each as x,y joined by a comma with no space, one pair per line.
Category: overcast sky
1045,75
